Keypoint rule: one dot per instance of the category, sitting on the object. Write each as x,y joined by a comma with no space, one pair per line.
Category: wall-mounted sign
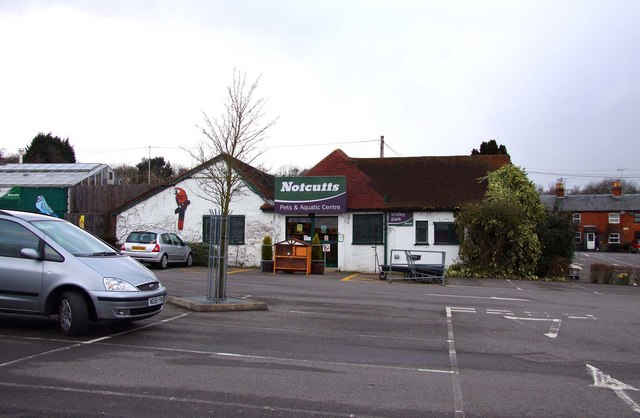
401,218
311,194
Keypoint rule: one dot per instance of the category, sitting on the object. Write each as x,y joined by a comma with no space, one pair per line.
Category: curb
201,304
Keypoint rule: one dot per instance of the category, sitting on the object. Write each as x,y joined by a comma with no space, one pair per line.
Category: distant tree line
596,187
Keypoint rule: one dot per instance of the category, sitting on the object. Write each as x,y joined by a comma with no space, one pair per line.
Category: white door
591,241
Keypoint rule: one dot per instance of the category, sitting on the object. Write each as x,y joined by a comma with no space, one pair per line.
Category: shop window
614,218
577,218
422,232
614,238
367,229
236,228
444,233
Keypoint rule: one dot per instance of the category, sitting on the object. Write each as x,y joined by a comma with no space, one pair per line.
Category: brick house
604,222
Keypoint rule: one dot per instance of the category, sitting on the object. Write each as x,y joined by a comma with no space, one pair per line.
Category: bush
608,274
200,252
495,241
557,268
556,232
316,249
267,248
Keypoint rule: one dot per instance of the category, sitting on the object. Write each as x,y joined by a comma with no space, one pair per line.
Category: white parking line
476,297
95,340
458,404
148,397
553,330
517,287
602,380
586,288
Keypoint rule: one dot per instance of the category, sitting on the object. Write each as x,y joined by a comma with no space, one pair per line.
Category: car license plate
138,248
157,300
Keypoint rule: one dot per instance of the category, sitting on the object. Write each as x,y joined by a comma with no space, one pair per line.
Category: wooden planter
266,266
317,266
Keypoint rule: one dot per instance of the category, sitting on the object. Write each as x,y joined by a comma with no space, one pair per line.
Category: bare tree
289,170
232,139
233,136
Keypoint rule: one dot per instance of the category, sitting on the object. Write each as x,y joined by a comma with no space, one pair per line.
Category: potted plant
267,255
317,256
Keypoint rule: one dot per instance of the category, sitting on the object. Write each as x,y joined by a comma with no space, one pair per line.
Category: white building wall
361,258
158,212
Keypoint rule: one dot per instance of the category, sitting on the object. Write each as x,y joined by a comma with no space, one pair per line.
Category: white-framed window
577,218
614,238
422,232
614,218
578,238
636,217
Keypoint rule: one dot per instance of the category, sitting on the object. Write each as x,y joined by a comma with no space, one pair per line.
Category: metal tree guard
217,277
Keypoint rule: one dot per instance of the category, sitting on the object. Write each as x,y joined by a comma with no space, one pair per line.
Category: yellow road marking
238,271
346,279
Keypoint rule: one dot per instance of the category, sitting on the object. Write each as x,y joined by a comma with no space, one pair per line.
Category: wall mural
43,206
182,201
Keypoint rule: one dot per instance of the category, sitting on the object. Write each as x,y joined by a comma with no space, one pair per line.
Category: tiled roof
260,182
416,183
592,203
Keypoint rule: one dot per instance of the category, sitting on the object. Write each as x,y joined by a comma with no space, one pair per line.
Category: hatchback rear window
142,237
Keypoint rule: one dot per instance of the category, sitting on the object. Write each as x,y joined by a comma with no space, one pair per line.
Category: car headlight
118,285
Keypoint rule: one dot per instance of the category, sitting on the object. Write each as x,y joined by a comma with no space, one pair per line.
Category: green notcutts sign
311,194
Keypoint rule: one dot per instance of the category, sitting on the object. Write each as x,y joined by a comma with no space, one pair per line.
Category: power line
110,151
573,175
322,144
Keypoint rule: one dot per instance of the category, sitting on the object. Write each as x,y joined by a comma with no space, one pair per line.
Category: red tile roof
410,183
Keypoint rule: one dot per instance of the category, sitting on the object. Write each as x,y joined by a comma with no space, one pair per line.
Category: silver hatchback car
158,248
50,266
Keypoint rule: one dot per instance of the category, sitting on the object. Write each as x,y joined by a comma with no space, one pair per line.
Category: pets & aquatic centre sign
303,195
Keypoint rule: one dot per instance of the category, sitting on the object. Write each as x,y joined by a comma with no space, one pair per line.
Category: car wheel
73,314
189,261
164,262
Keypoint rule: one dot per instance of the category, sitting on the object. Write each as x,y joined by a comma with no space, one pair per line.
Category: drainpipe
385,238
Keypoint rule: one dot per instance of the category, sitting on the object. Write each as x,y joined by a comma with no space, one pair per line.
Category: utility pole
149,164
381,146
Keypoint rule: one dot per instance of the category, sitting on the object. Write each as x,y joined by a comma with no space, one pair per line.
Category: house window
236,228
614,238
636,217
614,218
577,218
444,233
422,232
578,238
367,229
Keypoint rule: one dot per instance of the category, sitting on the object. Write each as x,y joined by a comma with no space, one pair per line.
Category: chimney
616,190
559,189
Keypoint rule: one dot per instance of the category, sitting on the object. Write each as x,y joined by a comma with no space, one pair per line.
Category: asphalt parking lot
340,345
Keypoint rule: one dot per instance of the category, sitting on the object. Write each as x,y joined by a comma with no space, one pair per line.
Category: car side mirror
30,253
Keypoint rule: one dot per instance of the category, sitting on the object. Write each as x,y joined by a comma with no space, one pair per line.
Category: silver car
50,266
158,248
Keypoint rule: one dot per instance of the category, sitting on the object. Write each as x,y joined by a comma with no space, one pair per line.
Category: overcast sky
556,82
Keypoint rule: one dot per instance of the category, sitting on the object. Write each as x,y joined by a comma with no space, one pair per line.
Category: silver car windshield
73,239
